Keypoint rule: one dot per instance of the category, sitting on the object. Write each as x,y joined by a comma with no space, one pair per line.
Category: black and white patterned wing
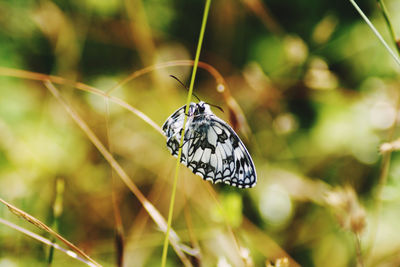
172,129
213,151
174,123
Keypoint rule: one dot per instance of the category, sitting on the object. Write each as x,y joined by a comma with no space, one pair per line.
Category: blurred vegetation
319,93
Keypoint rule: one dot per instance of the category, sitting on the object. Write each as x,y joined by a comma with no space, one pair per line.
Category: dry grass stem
39,224
81,86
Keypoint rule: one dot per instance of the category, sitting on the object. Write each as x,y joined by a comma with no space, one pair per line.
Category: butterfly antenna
218,107
215,106
185,86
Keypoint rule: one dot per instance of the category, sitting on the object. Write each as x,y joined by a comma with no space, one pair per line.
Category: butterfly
211,148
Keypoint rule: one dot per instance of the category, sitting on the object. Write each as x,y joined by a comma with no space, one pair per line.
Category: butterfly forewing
174,123
211,148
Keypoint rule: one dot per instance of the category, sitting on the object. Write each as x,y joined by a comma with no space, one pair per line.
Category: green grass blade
375,31
196,62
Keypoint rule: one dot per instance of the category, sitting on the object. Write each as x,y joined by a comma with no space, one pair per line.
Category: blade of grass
44,227
153,212
59,80
375,31
47,242
385,14
196,61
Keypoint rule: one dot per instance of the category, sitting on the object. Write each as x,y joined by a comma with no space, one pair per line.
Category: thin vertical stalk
385,14
196,62
375,31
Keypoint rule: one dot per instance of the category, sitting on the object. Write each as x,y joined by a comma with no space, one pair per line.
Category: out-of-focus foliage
318,90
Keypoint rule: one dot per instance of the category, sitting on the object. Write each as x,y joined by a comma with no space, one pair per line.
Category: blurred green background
318,90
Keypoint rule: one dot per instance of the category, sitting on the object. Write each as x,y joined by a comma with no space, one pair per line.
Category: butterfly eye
201,107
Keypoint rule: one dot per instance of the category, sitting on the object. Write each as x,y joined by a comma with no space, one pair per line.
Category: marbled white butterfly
211,148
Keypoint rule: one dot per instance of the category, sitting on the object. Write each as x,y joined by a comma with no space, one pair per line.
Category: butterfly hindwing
211,148
235,164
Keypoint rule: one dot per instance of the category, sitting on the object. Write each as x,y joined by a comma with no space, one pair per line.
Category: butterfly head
196,109
201,107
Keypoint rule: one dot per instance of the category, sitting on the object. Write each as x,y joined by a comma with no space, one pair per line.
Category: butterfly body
211,148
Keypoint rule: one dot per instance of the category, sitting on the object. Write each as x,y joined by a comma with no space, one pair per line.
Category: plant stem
375,31
196,62
385,14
